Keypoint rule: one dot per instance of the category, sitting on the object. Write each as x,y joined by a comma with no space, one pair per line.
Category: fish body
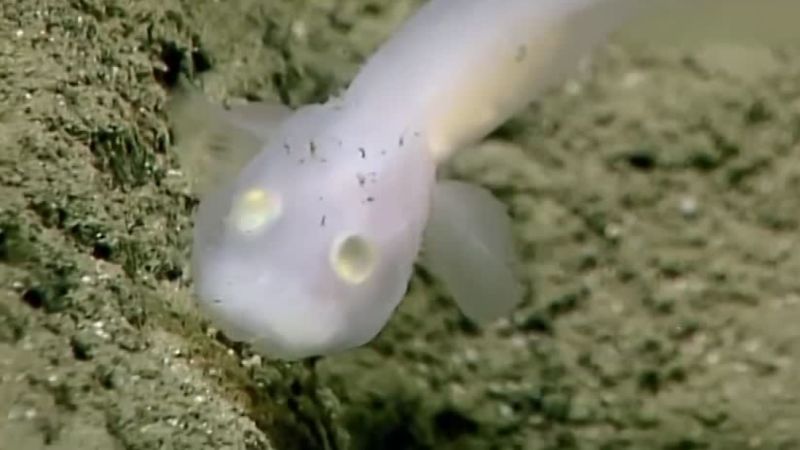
311,220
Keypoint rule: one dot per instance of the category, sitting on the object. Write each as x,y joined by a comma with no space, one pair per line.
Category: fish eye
353,258
255,209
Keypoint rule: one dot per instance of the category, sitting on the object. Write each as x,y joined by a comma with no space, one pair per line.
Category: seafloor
656,201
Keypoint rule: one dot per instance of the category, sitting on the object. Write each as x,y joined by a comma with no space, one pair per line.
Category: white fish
311,220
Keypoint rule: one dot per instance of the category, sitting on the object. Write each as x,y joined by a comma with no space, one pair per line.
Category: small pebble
688,207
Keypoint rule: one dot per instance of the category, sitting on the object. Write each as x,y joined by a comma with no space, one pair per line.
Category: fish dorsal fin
213,143
468,246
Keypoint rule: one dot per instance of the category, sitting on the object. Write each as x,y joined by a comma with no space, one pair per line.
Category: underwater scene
399,224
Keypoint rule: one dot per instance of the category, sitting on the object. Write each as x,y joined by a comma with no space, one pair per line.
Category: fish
311,219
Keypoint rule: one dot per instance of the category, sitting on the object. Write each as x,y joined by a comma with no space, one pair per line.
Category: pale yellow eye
353,258
255,209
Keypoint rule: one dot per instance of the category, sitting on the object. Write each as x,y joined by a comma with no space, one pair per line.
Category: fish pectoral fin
213,143
263,118
468,246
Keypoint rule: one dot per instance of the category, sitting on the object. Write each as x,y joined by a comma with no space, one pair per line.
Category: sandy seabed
655,199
